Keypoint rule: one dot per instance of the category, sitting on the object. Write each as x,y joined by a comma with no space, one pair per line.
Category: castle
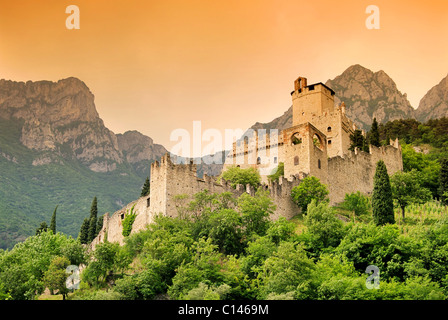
316,145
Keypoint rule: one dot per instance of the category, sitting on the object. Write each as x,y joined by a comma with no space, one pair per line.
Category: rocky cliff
435,103
61,117
369,95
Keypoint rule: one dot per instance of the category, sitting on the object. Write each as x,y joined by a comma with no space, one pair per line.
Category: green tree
375,134
443,181
358,141
102,264
42,228
53,221
83,236
55,276
406,189
382,199
93,219
145,188
225,230
356,202
255,211
236,175
279,172
310,188
325,229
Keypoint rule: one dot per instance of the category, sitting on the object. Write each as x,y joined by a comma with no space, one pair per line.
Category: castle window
296,139
329,129
275,159
258,160
329,142
318,163
317,141
311,87
148,202
122,216
296,160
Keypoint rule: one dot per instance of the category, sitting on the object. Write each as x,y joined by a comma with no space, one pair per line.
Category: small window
318,163
275,159
329,129
296,160
148,202
258,160
122,216
329,142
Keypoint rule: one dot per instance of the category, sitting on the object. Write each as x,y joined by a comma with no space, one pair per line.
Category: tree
310,188
236,175
42,228
92,219
406,189
146,188
255,211
225,230
358,141
443,181
382,200
356,202
375,134
55,276
53,221
325,229
279,171
83,236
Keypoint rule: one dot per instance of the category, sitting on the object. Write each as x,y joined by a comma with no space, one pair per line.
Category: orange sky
155,66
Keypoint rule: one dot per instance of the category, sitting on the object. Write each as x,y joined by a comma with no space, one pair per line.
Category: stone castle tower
317,144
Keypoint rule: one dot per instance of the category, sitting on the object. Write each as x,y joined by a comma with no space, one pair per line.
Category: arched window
296,139
317,141
296,160
258,160
329,129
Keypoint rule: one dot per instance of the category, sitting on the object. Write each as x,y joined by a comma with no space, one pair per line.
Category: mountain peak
369,95
435,102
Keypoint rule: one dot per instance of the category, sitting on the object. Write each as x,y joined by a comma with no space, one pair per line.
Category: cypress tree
53,221
92,220
145,189
92,229
83,236
382,200
358,141
443,181
375,134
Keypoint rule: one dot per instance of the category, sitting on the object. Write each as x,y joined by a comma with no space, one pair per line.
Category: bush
309,189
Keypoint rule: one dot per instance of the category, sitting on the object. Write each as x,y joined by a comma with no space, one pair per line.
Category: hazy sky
156,66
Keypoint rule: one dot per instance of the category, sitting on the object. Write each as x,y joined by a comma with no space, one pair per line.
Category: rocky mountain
56,150
60,117
435,103
369,95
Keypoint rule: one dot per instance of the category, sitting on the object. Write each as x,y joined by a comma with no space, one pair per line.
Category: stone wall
356,170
